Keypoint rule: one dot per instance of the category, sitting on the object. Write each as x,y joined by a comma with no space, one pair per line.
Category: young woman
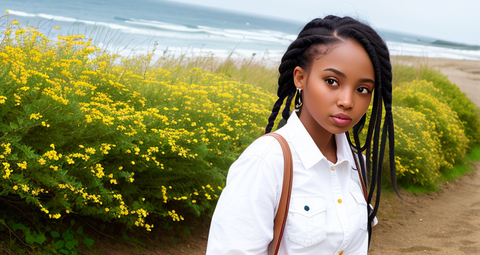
336,68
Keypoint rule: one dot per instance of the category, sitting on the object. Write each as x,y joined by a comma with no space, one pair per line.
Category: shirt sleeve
243,219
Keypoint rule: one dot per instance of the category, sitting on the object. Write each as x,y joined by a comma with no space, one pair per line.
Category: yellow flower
15,187
42,161
90,150
57,27
22,165
36,116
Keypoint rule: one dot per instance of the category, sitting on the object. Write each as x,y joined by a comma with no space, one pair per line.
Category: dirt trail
447,222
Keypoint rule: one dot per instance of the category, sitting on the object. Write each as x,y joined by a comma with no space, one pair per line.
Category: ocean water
133,27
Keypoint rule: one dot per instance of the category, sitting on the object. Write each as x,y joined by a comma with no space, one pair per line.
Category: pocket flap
307,205
358,195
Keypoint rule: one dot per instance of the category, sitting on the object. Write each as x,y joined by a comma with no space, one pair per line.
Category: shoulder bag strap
360,175
282,212
364,189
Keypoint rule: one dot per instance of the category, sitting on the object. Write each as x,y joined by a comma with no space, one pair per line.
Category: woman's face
337,89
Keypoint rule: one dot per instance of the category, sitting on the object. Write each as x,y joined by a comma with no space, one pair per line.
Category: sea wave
249,35
153,28
429,51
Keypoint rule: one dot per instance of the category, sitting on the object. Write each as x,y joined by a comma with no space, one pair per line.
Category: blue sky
457,21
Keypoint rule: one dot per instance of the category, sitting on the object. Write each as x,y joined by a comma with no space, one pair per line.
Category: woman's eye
363,90
331,82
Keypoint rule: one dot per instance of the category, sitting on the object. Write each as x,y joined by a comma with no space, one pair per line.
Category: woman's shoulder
264,147
264,154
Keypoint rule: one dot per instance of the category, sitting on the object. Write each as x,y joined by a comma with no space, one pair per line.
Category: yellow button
339,201
332,168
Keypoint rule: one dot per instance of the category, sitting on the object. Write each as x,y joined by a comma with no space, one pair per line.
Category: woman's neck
324,140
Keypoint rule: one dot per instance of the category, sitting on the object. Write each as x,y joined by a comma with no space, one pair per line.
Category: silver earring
299,103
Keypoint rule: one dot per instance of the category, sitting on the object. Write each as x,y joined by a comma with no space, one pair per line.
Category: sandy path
447,222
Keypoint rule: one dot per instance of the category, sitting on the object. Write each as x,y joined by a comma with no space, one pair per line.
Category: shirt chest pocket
360,214
306,221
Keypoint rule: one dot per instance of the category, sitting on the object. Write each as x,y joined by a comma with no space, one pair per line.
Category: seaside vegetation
90,138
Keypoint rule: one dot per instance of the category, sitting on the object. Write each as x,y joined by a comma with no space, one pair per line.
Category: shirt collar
306,148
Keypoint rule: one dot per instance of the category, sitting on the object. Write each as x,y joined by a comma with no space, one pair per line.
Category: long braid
326,32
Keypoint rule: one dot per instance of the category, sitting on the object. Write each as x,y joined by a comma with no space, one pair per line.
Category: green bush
447,92
417,148
458,101
421,96
123,143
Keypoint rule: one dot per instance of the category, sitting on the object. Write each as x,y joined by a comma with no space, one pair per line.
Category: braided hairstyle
329,31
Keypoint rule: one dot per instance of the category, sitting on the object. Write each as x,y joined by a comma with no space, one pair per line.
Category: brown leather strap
360,176
282,211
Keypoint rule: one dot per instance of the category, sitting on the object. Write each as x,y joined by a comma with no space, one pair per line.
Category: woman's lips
341,119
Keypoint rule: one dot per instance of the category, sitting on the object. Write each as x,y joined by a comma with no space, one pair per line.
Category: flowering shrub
116,142
458,101
417,148
447,92
420,96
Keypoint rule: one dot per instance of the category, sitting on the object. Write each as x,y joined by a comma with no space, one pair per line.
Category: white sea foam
55,17
21,14
247,35
428,51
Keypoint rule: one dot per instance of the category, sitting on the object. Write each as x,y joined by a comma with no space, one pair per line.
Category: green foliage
465,109
474,154
447,92
423,97
262,73
120,142
416,146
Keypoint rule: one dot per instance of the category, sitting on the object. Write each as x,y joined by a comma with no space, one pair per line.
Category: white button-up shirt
327,213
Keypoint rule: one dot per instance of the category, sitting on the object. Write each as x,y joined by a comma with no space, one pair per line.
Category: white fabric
317,223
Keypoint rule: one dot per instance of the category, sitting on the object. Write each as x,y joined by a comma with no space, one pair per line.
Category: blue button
306,208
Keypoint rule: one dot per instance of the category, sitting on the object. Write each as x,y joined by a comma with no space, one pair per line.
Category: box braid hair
333,30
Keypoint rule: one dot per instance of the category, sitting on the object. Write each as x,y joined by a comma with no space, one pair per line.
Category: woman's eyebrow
335,71
367,80
344,76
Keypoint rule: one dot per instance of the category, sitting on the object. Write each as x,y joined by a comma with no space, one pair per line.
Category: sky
457,21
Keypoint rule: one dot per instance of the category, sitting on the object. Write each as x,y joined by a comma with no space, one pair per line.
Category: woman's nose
345,99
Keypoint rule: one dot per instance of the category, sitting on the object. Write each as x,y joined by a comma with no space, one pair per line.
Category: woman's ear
299,77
